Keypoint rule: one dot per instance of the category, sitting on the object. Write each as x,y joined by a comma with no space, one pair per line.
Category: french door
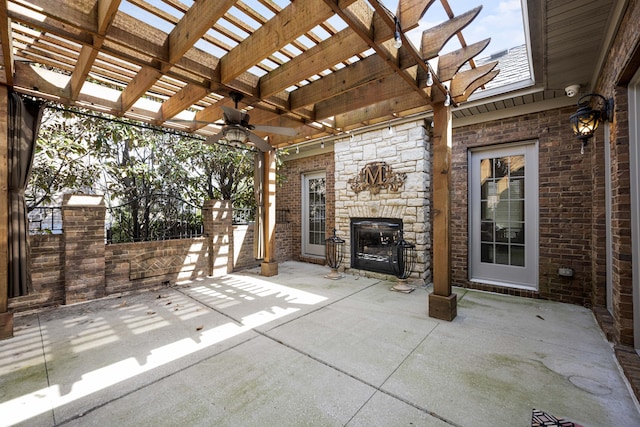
503,216
314,189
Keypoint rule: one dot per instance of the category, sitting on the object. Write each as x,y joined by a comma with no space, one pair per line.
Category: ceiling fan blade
212,139
275,129
232,115
260,143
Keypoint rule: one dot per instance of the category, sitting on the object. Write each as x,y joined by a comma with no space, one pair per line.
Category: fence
120,224
45,219
162,220
243,215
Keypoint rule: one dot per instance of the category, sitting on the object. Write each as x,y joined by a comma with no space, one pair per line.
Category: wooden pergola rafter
100,27
321,67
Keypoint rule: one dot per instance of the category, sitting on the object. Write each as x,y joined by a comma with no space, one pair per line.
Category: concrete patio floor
298,349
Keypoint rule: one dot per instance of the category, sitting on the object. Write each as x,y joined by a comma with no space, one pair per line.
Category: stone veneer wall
406,151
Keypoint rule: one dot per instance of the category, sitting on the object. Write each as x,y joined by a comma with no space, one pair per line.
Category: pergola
322,67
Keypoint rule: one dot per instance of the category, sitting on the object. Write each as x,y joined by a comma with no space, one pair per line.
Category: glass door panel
314,218
500,251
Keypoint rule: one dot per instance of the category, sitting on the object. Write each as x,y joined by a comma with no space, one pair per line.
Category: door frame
607,212
507,276
634,177
308,249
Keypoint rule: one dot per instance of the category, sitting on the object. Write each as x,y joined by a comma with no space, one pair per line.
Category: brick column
84,247
217,218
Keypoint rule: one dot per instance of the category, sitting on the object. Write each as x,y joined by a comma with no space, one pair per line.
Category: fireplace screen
371,242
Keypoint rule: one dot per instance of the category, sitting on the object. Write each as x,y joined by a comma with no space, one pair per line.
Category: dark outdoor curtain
23,124
258,185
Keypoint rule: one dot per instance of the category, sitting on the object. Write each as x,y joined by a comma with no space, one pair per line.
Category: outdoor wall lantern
585,121
403,259
334,253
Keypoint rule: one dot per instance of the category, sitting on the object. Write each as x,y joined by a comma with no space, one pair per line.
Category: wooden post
6,318
442,302
269,267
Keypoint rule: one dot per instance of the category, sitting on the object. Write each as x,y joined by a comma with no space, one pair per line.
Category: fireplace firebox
371,242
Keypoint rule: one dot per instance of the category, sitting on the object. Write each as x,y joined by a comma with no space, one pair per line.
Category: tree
63,159
217,171
146,175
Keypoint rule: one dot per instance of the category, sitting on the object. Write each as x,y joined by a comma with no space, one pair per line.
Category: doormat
542,419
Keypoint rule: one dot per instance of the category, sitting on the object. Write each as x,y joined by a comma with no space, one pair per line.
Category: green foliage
63,159
148,174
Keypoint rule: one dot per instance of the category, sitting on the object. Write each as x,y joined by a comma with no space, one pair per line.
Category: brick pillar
218,227
84,247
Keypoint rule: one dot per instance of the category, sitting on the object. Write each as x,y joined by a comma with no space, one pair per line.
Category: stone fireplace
369,218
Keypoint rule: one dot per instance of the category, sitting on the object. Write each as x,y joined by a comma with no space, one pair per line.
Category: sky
501,20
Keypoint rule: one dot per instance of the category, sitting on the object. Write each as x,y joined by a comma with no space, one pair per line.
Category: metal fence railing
243,215
163,220
178,222
247,215
45,219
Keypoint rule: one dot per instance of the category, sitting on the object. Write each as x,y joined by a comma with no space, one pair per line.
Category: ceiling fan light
234,135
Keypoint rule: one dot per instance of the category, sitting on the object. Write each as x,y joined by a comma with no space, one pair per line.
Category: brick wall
565,202
145,265
284,242
621,64
134,267
84,250
289,197
47,274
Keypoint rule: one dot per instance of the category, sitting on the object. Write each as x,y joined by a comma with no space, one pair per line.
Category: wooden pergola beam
434,39
185,98
349,78
198,19
375,27
290,23
450,63
106,11
368,94
138,86
322,56
403,101
463,81
6,45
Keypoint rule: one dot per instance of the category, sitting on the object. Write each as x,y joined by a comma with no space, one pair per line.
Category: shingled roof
513,64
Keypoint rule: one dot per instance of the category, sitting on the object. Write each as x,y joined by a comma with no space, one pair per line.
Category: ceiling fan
237,130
